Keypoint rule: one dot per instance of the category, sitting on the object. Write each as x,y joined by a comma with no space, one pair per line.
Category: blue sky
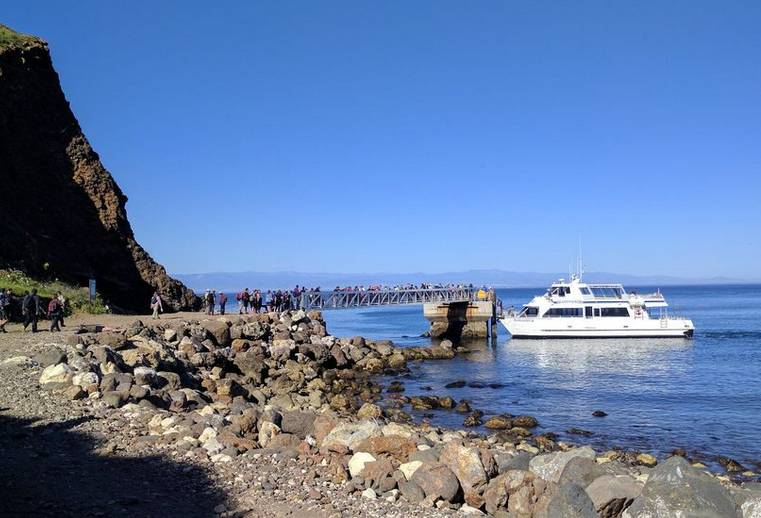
423,136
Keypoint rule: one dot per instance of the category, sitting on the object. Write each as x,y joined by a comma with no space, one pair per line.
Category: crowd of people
256,301
32,308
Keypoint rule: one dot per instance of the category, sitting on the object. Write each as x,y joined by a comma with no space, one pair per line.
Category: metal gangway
394,297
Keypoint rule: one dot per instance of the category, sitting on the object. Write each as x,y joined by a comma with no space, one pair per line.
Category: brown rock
394,446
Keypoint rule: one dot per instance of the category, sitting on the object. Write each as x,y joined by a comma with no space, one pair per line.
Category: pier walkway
355,299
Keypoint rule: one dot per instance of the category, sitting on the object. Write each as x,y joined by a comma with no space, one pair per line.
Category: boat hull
543,328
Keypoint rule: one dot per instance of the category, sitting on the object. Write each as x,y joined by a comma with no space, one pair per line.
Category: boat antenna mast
579,263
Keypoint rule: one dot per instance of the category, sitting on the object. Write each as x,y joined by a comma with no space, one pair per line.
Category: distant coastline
232,281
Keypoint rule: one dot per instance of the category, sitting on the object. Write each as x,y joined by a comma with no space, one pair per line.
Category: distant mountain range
233,281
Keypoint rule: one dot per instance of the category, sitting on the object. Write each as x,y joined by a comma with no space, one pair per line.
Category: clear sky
423,136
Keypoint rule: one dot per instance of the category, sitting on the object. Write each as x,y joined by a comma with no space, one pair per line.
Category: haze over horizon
358,137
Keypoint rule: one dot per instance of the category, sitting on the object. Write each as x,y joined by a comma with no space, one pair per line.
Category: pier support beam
459,320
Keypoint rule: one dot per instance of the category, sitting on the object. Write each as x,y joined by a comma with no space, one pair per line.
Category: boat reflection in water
627,356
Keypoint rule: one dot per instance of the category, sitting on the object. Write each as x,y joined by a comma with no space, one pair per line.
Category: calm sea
703,395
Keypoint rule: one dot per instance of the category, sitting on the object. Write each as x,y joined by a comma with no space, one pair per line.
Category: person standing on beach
62,300
30,307
257,302
222,302
5,305
245,299
156,305
209,299
54,314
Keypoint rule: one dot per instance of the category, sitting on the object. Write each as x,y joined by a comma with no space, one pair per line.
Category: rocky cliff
61,213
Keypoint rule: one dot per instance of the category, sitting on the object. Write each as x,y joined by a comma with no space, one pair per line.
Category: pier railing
354,299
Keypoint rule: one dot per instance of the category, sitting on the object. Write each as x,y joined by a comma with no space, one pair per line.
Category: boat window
615,312
563,312
530,311
588,311
607,292
585,290
597,312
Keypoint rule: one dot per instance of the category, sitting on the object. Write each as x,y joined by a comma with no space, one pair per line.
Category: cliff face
61,212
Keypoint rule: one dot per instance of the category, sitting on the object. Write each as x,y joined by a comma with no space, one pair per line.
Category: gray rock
583,470
411,491
550,466
612,494
300,424
437,481
429,455
675,488
115,398
569,500
507,461
52,356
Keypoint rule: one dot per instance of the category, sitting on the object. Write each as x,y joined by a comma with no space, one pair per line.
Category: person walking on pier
297,298
245,299
222,302
30,308
256,301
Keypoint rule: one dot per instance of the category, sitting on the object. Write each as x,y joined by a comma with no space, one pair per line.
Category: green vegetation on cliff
78,298
10,37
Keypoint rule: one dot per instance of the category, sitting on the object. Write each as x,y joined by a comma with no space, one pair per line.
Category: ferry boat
576,309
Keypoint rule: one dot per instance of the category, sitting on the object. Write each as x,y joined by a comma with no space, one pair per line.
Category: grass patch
10,37
78,300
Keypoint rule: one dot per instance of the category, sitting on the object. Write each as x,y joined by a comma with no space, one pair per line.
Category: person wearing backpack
54,314
30,307
156,305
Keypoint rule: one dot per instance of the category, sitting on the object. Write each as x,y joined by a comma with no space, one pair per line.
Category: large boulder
219,332
674,488
56,376
52,356
437,481
358,461
583,471
466,464
346,437
519,493
251,364
298,423
394,446
550,466
612,494
568,500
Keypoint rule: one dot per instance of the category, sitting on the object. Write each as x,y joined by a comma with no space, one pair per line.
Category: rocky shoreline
271,415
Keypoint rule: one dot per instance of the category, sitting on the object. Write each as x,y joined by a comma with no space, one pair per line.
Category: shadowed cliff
62,213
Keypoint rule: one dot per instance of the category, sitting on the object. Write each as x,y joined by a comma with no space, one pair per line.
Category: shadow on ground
53,470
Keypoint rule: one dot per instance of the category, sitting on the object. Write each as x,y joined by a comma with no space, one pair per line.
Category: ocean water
703,395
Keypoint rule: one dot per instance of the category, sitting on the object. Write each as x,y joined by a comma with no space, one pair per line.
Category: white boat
576,309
